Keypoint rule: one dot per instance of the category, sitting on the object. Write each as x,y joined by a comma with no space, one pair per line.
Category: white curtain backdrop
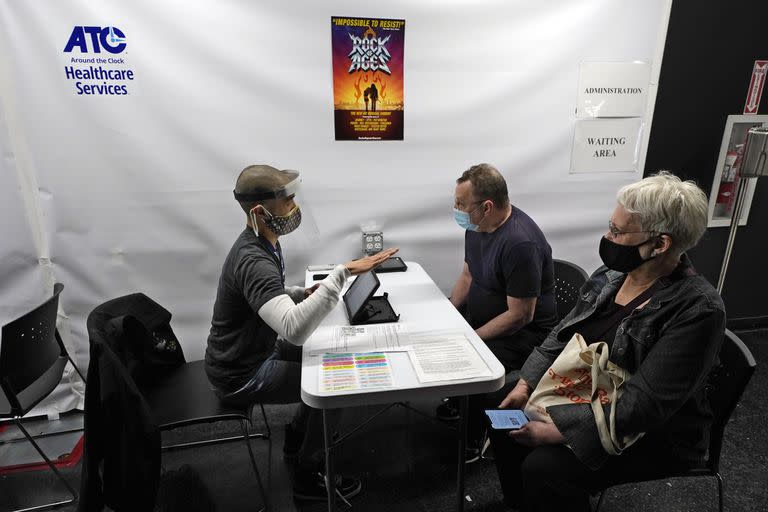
117,194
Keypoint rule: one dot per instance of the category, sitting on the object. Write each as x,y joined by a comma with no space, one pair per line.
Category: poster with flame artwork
368,70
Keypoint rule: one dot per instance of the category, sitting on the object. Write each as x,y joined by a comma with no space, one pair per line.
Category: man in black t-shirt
506,287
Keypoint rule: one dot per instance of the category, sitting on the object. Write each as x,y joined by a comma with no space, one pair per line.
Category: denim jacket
669,347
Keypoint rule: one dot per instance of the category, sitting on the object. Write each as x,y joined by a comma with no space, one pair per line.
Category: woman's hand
310,291
517,398
363,265
537,433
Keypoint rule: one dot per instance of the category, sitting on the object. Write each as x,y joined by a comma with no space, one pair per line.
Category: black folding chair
724,389
32,361
183,395
568,280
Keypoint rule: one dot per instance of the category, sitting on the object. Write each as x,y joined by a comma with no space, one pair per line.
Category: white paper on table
446,356
359,338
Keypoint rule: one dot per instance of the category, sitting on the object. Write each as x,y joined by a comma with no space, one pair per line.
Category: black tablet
394,264
358,294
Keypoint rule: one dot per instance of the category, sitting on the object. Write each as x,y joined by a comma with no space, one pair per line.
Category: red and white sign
756,87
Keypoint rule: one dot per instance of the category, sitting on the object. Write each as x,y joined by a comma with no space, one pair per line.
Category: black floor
407,463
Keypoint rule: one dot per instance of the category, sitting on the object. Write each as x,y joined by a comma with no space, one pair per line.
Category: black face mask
622,258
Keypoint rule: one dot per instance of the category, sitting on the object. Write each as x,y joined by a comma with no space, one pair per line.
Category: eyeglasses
461,207
616,231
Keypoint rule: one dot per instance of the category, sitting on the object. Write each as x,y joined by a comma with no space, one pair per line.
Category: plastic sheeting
116,194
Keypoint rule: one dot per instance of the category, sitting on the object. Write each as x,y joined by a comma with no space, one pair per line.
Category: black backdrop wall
710,51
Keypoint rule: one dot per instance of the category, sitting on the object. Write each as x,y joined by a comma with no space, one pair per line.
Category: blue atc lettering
111,39
77,38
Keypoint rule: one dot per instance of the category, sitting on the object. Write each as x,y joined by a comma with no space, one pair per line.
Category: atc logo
111,39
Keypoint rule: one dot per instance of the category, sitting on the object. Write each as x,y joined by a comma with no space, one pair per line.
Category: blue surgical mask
462,219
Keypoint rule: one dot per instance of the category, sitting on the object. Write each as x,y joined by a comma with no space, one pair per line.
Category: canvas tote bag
582,374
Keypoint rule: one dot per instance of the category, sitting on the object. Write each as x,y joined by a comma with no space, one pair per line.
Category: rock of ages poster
368,78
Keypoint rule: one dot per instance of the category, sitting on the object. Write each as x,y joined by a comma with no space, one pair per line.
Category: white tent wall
26,271
22,277
134,193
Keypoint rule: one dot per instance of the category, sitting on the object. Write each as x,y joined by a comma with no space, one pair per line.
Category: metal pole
741,193
330,475
463,420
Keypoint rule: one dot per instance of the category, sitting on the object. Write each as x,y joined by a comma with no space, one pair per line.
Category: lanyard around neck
277,253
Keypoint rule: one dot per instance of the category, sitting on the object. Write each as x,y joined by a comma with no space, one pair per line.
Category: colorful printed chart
355,371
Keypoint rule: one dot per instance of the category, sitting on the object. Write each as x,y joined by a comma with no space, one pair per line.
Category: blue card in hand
506,419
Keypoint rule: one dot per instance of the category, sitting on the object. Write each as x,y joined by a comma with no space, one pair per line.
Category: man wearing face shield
259,323
507,282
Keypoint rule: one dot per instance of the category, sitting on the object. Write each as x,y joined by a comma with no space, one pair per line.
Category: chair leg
266,423
247,439
17,421
719,490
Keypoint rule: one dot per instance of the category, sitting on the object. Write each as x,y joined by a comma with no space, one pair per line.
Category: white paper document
359,338
613,89
604,145
353,372
446,356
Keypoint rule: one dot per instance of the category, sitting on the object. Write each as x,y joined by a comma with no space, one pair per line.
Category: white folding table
422,307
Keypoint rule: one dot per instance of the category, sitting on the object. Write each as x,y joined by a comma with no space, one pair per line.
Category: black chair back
568,280
725,387
32,356
153,389
144,341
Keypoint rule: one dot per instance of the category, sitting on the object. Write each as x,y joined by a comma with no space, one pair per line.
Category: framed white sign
606,145
613,89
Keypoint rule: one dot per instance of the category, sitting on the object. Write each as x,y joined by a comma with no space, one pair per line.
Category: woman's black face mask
622,258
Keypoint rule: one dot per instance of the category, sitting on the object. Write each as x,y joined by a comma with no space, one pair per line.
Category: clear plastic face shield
282,220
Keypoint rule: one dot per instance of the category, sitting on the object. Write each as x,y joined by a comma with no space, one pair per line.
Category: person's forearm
296,322
296,293
506,323
460,291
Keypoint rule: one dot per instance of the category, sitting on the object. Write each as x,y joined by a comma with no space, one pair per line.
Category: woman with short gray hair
663,203
663,323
